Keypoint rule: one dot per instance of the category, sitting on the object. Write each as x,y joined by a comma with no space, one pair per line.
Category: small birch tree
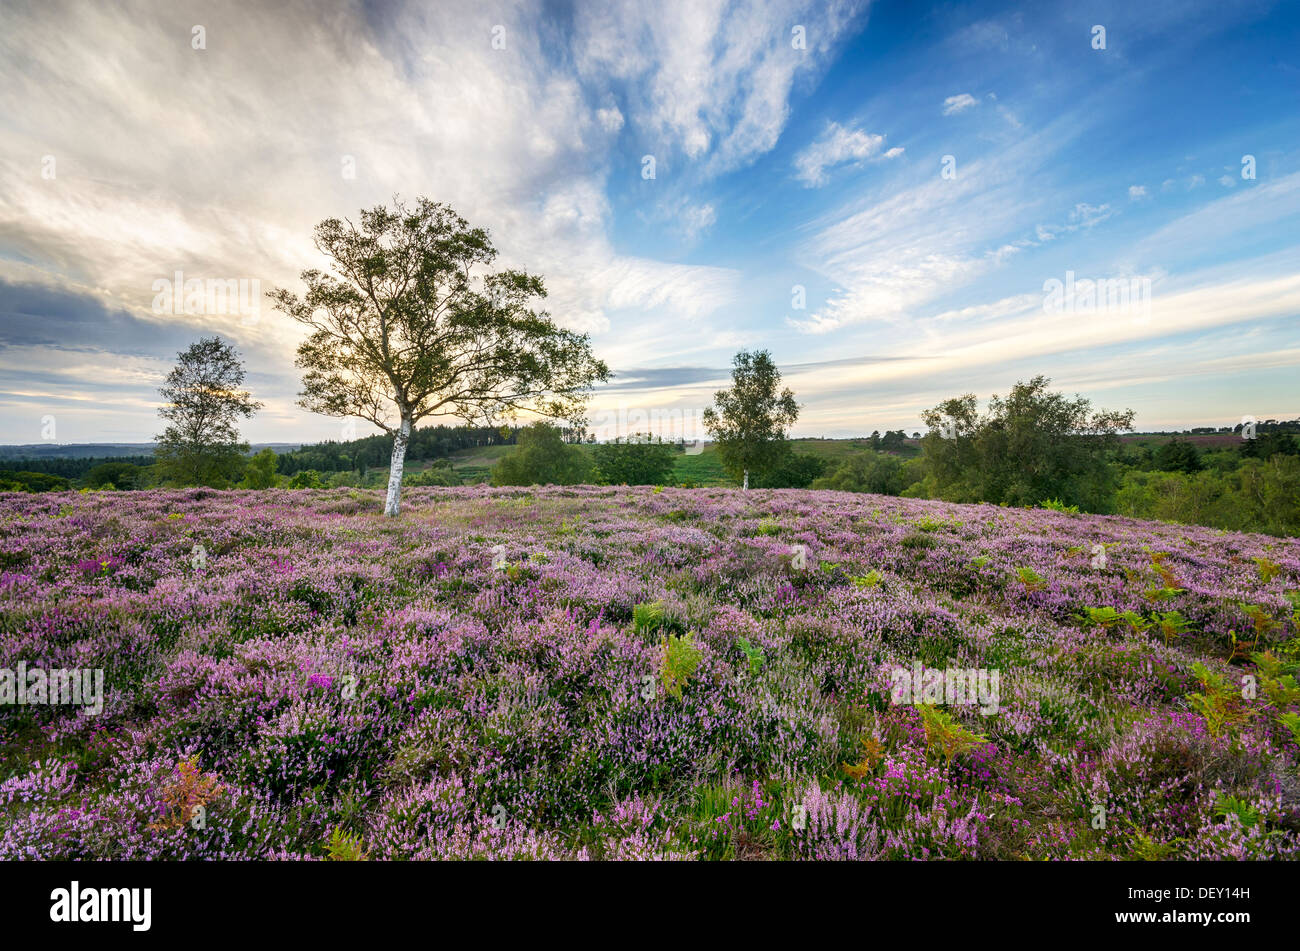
414,323
203,400
748,421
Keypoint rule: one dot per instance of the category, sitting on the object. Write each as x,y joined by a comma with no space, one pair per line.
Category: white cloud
907,247
710,79
1216,226
1086,215
835,146
1137,192
1082,217
955,104
610,118
993,342
220,161
697,219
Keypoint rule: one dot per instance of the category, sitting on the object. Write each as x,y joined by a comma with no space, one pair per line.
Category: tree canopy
1031,446
637,460
542,457
203,401
748,422
415,323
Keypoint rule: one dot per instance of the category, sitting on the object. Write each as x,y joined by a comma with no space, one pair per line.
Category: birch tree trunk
746,485
400,439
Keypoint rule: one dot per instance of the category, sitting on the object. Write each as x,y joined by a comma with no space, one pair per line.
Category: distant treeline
1261,426
369,452
69,468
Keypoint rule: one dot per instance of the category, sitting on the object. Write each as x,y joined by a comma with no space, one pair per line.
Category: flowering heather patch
640,674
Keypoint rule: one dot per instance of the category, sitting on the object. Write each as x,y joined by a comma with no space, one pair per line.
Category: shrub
543,458
638,460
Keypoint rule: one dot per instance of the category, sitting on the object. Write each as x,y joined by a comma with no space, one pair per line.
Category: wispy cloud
707,78
955,104
838,145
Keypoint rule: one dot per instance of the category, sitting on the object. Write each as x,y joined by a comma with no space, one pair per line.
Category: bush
307,479
792,470
637,461
543,458
440,473
1260,496
32,481
1177,455
120,475
866,472
260,473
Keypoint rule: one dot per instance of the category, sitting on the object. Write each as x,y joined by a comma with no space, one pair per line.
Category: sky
902,202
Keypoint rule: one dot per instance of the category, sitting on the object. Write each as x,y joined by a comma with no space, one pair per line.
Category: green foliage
1031,579
1247,814
870,580
1056,505
648,617
1292,722
440,473
1170,624
1271,665
1147,849
1159,594
1259,495
1267,569
121,475
1177,455
17,481
1033,445
638,460
1106,617
748,421
1267,445
306,479
1281,691
681,657
260,473
753,654
1220,704
544,458
789,470
202,401
1294,598
868,472
945,735
1263,625
927,524
345,847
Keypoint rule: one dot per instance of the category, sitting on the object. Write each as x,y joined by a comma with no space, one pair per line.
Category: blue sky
782,170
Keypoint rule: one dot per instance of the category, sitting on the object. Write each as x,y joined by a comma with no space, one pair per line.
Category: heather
639,673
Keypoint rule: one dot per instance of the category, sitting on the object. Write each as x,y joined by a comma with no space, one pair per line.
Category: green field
475,465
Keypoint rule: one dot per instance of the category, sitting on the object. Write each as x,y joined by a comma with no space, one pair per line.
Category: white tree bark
401,438
746,485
